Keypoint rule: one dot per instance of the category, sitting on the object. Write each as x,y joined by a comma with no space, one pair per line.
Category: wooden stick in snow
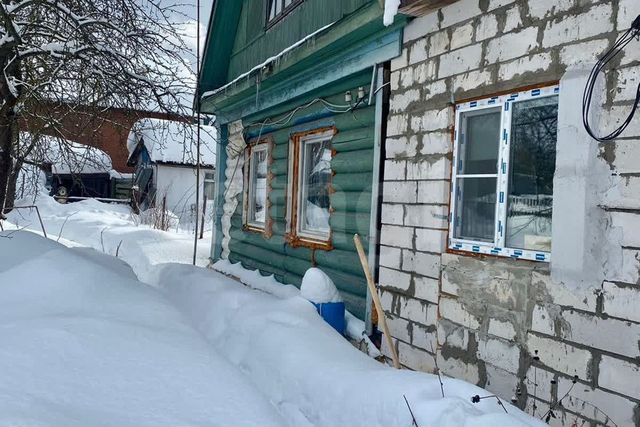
376,300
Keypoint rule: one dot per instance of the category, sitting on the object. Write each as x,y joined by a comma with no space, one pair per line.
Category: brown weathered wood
422,7
376,300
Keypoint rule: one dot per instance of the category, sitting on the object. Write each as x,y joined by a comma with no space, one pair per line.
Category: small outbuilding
72,170
164,154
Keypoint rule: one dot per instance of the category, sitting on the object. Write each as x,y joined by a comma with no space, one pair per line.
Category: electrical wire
587,97
334,108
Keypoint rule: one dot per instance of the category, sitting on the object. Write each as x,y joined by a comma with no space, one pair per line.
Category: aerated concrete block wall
482,318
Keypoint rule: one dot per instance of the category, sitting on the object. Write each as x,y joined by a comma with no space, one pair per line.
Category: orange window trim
267,230
292,238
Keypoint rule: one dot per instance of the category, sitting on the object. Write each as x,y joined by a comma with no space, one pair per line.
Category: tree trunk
10,199
6,159
8,127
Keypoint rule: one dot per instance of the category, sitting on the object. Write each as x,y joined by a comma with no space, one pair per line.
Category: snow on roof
169,141
390,11
66,157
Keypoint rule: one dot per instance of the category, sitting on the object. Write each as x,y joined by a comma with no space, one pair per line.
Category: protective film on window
258,186
477,171
314,188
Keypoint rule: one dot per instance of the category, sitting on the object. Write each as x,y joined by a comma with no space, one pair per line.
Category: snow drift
85,344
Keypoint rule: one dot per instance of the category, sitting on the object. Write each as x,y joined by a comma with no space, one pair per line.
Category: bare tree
61,57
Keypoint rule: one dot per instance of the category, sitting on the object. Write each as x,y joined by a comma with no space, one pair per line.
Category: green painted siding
254,43
352,166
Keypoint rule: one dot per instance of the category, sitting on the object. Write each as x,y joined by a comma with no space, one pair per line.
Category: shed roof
66,157
169,141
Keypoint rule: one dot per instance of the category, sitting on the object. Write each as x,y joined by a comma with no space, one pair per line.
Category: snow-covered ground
99,314
84,343
111,229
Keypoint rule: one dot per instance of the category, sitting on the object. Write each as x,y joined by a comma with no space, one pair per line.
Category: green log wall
351,202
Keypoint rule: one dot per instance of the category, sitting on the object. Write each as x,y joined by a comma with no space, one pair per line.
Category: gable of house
239,36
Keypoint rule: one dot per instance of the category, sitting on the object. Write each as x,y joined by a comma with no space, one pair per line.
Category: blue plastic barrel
333,313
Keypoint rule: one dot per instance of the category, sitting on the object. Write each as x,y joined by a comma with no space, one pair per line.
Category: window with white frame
311,182
504,162
256,179
209,185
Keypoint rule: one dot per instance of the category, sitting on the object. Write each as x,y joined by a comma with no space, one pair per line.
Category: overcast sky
189,9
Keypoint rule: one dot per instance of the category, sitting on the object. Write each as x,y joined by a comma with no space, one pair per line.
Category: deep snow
111,229
85,344
309,373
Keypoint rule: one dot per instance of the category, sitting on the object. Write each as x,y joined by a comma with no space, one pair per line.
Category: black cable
587,97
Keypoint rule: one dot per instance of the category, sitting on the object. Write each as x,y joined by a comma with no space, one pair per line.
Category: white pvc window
503,167
314,179
256,208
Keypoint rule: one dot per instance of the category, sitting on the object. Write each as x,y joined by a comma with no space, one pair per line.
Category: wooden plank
422,7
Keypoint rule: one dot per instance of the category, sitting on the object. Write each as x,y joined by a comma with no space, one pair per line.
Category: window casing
310,183
209,185
503,167
277,9
256,204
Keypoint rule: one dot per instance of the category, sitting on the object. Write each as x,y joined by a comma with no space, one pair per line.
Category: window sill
465,248
304,242
266,231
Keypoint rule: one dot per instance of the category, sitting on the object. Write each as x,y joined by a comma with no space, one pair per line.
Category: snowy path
85,344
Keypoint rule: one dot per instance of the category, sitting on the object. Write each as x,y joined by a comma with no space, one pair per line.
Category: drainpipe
381,76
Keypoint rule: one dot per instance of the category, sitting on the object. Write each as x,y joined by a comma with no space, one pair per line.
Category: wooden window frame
266,227
284,12
294,236
497,246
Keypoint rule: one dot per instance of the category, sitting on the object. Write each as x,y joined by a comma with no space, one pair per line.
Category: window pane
287,2
209,190
272,9
476,209
534,132
479,142
316,177
258,195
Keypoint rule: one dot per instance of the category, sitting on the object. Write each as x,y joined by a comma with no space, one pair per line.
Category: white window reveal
209,185
314,181
503,167
256,207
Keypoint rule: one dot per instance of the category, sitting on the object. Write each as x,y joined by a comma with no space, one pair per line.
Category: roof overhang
335,53
422,7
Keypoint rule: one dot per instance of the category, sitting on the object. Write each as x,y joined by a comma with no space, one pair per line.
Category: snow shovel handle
376,300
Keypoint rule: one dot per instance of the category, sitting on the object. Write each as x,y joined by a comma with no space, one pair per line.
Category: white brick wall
460,61
621,301
573,28
560,356
500,353
543,8
539,62
499,311
619,375
512,45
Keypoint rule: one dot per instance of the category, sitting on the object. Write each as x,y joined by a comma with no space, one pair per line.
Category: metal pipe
195,235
